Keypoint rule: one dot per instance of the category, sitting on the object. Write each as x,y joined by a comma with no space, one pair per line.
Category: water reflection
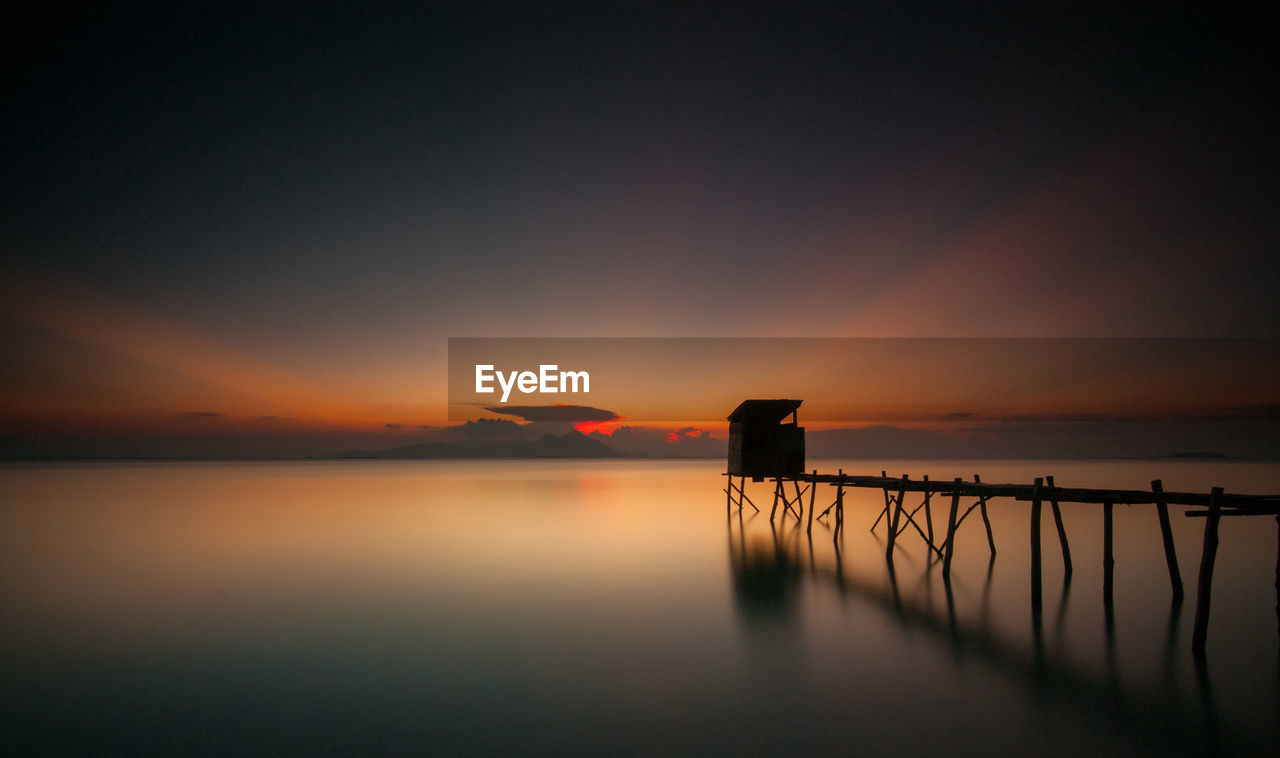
569,608
771,565
765,581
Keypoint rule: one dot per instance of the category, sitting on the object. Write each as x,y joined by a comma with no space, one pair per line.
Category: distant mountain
570,445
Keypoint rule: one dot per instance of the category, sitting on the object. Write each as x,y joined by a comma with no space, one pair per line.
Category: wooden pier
901,518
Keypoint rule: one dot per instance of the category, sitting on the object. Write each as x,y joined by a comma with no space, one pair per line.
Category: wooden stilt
951,528
813,491
1204,589
742,492
728,497
742,496
1062,531
827,510
799,504
986,520
1108,555
911,521
777,491
1036,589
884,512
1166,533
839,506
928,514
839,512
897,515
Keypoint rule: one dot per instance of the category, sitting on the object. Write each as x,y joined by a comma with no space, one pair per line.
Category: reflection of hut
760,444
766,583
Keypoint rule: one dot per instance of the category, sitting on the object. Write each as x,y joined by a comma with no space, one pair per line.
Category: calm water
604,608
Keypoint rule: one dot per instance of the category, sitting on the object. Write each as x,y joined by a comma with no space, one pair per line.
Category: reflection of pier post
1108,556
768,591
1204,589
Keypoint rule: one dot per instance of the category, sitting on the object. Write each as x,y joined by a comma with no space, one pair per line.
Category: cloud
568,413
394,426
689,442
201,414
958,416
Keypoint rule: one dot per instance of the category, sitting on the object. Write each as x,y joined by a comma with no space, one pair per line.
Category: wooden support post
777,490
951,528
799,504
728,497
839,506
1166,533
742,495
1108,555
1036,590
786,501
813,491
928,513
897,515
1204,589
1062,532
884,512
982,507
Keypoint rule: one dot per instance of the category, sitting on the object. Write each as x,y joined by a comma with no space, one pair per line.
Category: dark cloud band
572,413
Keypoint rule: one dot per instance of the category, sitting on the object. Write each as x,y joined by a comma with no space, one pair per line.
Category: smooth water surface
591,607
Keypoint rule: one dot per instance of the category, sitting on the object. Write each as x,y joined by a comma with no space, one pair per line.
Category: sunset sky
252,233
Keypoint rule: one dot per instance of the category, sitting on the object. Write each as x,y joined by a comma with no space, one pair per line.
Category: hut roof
764,411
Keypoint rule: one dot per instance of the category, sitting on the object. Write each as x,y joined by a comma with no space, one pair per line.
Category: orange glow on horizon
185,373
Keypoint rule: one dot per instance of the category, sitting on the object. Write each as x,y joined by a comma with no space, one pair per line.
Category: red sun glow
606,427
689,431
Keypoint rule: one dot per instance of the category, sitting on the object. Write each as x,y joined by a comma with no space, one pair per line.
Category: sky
251,231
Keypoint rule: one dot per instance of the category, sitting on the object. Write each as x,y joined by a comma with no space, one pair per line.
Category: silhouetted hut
760,444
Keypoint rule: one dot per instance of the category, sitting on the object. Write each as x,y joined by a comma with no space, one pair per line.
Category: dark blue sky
337,190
